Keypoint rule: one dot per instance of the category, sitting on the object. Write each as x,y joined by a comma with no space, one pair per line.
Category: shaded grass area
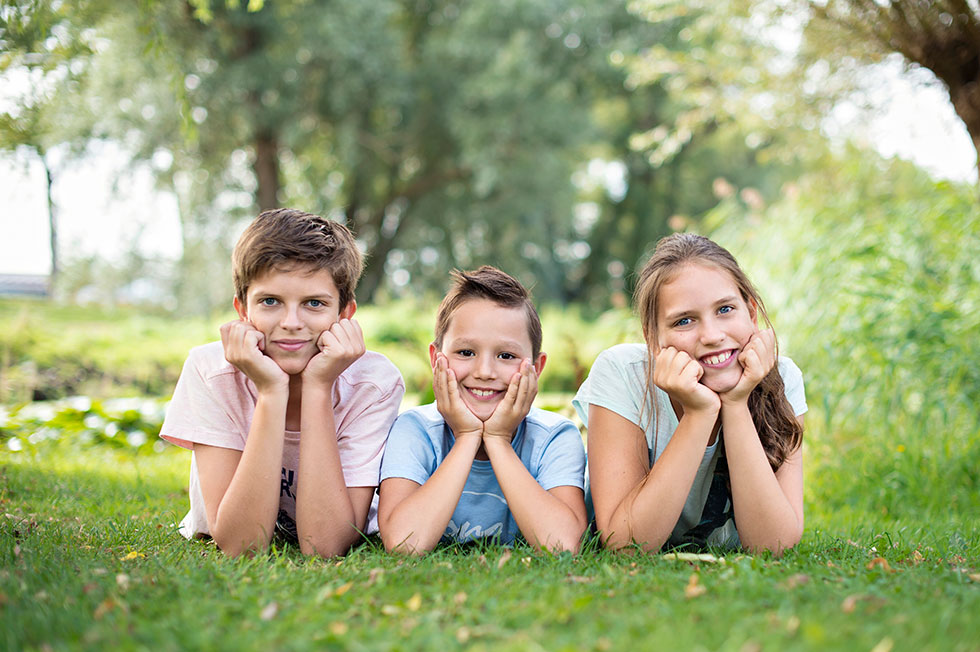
89,558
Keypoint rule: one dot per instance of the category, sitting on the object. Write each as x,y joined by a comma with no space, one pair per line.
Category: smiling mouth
717,359
290,345
484,394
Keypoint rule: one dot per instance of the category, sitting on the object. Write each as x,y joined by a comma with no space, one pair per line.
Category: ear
753,311
539,363
433,352
348,311
240,309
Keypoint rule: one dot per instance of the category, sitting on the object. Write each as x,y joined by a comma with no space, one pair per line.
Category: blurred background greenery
558,140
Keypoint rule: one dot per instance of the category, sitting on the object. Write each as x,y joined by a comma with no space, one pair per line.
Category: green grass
89,559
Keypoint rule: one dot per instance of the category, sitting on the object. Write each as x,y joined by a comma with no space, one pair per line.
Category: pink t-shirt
213,404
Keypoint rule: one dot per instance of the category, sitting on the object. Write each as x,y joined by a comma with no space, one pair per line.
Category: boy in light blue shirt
481,463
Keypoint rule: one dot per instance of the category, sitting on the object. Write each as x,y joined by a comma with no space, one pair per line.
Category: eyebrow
471,343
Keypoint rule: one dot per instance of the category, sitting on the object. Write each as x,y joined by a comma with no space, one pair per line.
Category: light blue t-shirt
548,444
618,381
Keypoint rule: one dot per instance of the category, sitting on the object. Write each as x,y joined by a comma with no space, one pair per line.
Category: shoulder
625,355
792,384
423,417
788,370
373,370
208,360
544,421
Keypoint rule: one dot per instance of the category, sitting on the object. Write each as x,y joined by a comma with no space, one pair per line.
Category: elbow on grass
777,546
405,546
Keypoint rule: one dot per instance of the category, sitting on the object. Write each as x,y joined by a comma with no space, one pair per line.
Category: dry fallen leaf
974,576
414,602
122,581
884,645
504,558
105,607
459,598
338,628
463,634
693,589
375,575
579,579
797,580
880,562
694,556
849,603
390,610
343,588
269,611
792,625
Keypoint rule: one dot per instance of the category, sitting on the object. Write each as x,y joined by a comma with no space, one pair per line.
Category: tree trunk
374,269
966,103
267,170
52,220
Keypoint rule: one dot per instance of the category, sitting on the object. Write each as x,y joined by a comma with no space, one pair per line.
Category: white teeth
718,359
483,392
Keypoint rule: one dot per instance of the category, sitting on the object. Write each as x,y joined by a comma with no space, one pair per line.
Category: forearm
544,520
650,511
764,515
246,514
326,522
417,523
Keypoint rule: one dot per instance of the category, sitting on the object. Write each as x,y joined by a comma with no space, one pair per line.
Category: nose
290,318
711,332
484,367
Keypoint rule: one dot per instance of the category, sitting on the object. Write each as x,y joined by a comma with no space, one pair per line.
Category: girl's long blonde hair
779,431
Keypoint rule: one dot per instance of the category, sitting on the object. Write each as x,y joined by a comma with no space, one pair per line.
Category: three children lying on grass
694,436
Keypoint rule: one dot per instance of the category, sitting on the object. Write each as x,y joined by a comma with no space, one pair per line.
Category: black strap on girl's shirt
718,507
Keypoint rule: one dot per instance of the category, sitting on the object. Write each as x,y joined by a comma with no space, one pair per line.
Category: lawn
89,558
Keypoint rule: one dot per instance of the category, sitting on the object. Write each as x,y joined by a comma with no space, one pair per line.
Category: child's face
292,307
485,344
701,312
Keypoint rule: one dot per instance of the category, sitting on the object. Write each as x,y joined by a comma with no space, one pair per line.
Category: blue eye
267,301
724,310
315,303
683,321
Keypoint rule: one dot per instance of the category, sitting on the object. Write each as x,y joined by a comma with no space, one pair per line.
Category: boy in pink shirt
288,415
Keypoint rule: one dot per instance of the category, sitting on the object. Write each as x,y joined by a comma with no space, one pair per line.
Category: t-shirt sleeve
793,384
409,453
563,459
362,434
611,384
197,414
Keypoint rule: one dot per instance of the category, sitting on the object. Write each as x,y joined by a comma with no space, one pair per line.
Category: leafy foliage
871,279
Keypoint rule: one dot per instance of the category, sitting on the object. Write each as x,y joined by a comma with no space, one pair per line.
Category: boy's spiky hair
284,238
488,283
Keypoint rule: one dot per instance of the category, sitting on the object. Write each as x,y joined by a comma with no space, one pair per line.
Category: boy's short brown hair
283,238
488,283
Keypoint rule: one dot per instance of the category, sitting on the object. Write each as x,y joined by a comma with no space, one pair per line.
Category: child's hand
679,374
757,358
450,404
244,347
340,346
515,405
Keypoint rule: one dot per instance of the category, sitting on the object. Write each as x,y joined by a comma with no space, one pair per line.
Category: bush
871,275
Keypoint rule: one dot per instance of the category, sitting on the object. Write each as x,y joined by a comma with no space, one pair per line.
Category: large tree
941,35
